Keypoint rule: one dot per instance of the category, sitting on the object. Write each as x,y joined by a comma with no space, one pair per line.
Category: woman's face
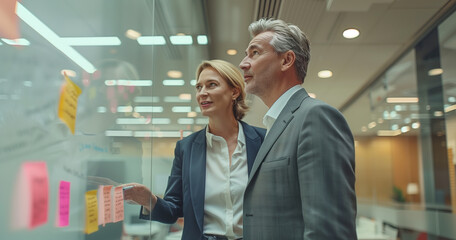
214,95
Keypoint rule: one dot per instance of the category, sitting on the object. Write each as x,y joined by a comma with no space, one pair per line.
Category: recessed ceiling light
325,74
351,33
191,114
435,72
231,52
193,82
312,95
132,34
174,74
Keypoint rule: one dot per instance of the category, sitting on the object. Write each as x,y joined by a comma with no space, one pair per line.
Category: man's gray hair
286,37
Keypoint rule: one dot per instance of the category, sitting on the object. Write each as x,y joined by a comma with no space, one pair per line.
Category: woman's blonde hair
235,80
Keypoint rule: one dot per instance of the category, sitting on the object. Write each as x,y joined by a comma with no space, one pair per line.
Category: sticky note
69,103
91,212
107,204
118,204
64,204
9,24
100,197
38,183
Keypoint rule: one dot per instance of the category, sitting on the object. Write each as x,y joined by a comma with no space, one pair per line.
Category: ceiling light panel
53,38
16,42
175,99
92,41
151,40
149,109
181,109
146,99
173,82
181,40
202,39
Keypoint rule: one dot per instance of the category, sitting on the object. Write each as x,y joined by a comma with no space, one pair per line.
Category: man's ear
288,59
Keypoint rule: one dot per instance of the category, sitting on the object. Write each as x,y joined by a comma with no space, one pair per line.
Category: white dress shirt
273,113
225,186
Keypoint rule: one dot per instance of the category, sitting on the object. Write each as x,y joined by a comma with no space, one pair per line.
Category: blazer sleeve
169,209
326,168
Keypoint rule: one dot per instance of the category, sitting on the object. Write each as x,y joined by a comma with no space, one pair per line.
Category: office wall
386,162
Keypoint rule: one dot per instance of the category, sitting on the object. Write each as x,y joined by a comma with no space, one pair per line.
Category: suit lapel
253,143
197,176
279,126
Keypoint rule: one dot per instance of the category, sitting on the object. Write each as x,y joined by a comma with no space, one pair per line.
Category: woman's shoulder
198,135
252,130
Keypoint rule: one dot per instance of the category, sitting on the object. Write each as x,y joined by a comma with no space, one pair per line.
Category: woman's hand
139,194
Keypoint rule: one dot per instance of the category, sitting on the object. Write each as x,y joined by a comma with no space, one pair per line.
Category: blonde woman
211,166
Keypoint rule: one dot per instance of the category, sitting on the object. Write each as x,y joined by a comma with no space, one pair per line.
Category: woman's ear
288,59
236,93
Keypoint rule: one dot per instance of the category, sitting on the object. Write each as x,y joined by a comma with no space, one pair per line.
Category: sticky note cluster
103,205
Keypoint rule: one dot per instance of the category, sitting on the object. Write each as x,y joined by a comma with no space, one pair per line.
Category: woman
211,166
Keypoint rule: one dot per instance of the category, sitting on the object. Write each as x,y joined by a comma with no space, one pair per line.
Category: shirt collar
211,137
277,107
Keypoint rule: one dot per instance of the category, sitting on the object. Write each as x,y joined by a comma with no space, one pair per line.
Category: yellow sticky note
69,103
91,212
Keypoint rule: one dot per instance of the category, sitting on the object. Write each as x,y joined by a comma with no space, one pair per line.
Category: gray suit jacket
302,183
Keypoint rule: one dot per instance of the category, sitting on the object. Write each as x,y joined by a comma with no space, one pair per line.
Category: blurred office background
392,75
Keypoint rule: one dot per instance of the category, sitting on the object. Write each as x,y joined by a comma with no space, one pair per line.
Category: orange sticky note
37,180
64,204
107,204
118,204
69,103
91,212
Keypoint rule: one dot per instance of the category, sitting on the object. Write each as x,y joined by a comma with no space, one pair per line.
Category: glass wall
93,94
404,127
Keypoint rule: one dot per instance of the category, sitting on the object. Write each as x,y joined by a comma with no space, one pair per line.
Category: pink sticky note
107,204
9,24
64,204
118,204
100,197
37,178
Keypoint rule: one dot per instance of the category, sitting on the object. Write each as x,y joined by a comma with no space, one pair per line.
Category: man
302,182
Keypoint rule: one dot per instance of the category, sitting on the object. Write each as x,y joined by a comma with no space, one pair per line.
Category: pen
127,187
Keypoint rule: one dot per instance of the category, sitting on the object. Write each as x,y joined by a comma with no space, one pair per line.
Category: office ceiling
387,28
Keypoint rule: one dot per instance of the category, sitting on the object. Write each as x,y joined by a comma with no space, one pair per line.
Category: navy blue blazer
184,196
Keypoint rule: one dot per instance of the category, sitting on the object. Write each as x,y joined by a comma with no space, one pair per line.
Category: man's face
261,65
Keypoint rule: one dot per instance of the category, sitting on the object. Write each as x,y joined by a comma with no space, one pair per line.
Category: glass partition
404,140
93,94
